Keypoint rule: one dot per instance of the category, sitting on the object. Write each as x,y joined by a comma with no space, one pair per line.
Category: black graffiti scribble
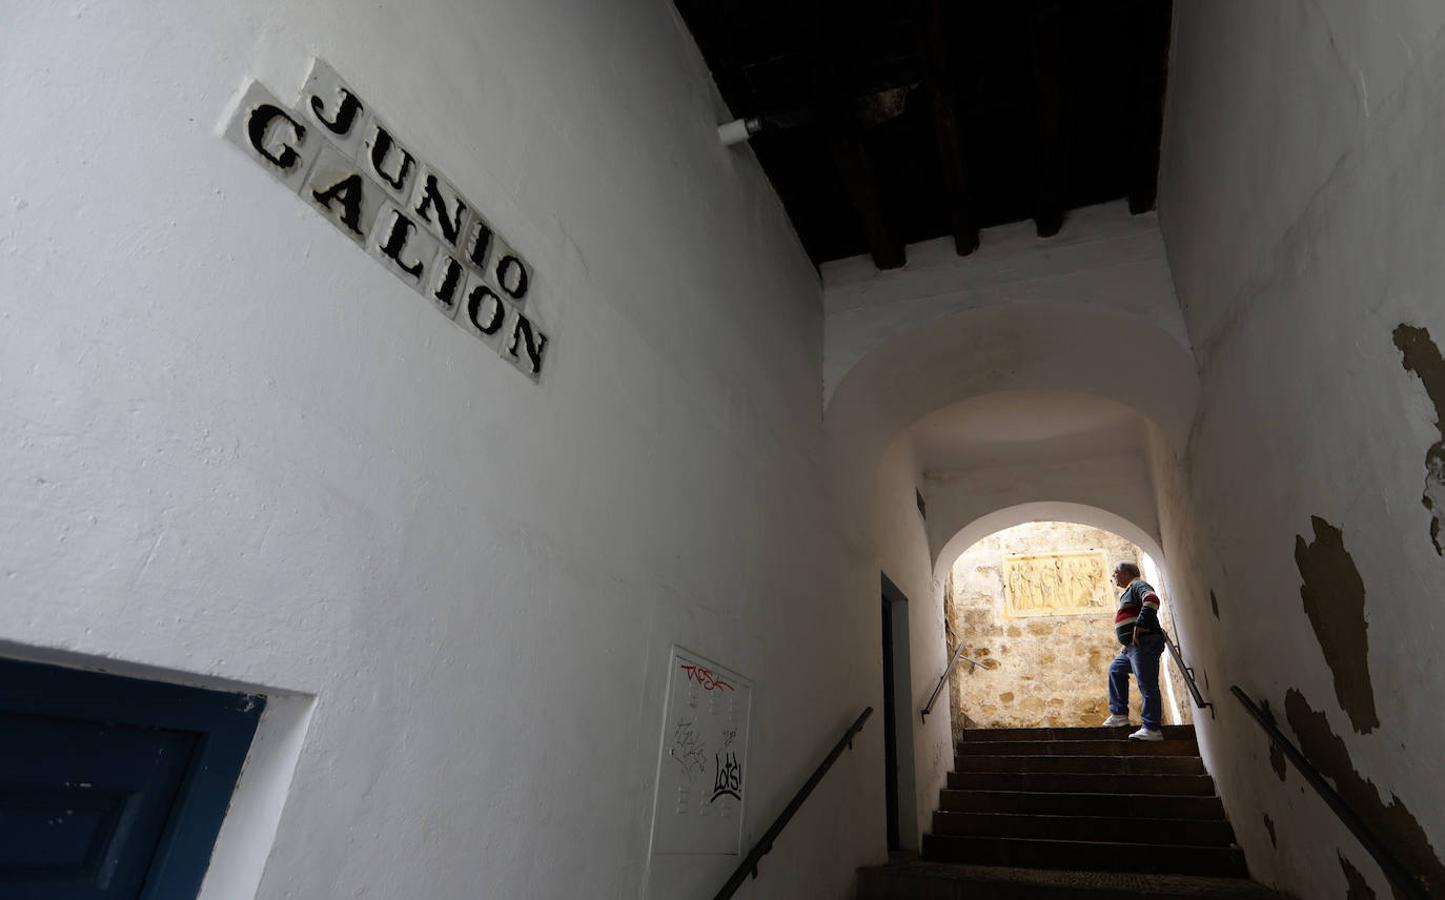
687,750
728,780
706,677
727,738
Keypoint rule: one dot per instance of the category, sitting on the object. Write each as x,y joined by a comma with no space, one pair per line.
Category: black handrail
749,865
1188,672
957,655
1406,883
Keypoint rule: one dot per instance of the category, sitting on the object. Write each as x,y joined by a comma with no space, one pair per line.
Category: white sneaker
1115,721
1145,734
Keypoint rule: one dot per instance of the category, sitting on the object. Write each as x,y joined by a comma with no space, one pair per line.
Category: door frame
901,802
224,724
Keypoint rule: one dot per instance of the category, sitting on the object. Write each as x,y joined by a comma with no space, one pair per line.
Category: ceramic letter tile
447,283
275,136
438,206
479,243
510,271
402,246
484,313
347,198
334,109
526,346
385,158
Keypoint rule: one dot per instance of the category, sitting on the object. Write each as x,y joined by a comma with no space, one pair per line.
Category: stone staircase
1073,813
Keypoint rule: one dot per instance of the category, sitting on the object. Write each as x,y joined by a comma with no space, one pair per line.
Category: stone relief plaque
1056,584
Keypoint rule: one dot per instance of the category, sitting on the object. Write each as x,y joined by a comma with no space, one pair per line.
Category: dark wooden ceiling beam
839,123
1148,26
1046,33
939,77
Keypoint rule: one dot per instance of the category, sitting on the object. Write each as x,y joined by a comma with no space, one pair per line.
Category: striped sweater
1138,608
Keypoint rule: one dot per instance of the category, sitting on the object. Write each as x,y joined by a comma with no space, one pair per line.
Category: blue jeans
1143,660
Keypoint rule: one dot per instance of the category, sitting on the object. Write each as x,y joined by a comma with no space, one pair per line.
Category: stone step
1079,804
1121,829
1083,783
1171,732
921,880
1109,765
1222,862
1103,747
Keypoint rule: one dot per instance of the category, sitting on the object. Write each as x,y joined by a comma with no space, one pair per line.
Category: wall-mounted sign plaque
703,764
350,166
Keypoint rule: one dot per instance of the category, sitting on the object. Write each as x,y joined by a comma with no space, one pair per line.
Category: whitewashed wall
1301,204
963,503
1105,260
901,541
234,450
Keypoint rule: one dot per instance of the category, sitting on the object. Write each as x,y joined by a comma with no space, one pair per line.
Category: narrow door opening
890,720
898,721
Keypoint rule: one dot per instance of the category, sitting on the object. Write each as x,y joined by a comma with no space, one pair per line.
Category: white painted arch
1042,511
1017,347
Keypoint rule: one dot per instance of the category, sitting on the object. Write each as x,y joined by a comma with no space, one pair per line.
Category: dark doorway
890,719
897,726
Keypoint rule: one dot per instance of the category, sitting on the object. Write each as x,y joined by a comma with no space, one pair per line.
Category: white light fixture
738,130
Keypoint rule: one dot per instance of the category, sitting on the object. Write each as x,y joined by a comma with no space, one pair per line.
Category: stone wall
1036,670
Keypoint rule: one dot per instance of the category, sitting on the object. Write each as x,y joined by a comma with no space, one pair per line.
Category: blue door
112,788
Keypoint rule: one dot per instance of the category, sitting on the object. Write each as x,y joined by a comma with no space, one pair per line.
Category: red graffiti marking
706,678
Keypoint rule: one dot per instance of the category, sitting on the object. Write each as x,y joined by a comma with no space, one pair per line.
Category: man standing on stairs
1136,625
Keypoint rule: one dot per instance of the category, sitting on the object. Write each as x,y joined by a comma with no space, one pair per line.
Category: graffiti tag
706,677
687,749
727,778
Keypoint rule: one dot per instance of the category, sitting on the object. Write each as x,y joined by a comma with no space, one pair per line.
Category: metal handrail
1188,672
957,655
749,865
1407,884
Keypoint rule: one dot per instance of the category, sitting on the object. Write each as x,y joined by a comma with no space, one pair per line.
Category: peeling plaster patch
1393,823
1214,604
1423,358
1269,826
1359,888
1276,755
1334,600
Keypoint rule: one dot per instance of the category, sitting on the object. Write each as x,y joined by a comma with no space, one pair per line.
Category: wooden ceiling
888,123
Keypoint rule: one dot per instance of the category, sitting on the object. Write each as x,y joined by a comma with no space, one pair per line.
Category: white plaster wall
964,502
1105,259
1301,205
232,447
901,542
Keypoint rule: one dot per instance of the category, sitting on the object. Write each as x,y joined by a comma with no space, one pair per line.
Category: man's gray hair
1130,568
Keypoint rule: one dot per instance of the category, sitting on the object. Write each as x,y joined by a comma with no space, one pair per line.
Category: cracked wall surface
1422,357
1356,886
1393,822
1334,600
1301,193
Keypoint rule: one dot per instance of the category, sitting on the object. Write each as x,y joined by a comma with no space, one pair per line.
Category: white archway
1034,346
1044,511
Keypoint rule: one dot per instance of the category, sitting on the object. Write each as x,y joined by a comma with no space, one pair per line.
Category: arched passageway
1043,511
1058,404
1031,604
